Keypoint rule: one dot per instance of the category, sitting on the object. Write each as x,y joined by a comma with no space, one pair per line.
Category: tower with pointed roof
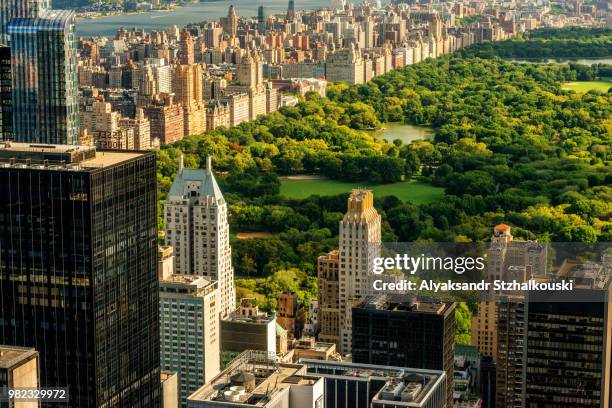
195,216
231,22
360,238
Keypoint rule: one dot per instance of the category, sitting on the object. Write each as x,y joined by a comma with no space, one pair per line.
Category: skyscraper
45,85
197,228
398,330
189,330
359,245
261,19
291,10
78,256
328,297
186,51
18,9
568,344
510,336
230,23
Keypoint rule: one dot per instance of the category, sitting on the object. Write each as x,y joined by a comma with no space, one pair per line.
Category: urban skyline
162,244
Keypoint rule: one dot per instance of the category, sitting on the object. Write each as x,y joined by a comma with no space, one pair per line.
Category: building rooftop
585,274
195,280
193,183
165,375
401,385
186,284
502,227
405,303
254,378
60,157
254,319
10,356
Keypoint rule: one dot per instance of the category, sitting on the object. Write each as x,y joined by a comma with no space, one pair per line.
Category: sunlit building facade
45,78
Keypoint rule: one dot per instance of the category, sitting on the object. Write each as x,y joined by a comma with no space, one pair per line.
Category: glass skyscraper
78,270
45,80
18,9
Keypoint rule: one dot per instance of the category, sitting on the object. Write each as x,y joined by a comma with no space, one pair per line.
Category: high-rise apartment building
141,127
483,328
166,118
328,297
359,244
506,252
78,254
345,65
186,49
189,330
104,125
250,82
45,83
290,315
510,330
196,226
505,257
230,23
188,90
399,330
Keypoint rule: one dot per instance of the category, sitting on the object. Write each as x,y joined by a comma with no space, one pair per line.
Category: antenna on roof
181,163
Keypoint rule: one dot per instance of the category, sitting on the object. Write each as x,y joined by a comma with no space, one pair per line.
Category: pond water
405,133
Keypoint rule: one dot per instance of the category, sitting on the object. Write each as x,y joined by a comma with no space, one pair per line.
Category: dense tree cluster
509,141
510,146
571,42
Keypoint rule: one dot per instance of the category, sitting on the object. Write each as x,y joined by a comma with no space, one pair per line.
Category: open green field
586,86
414,191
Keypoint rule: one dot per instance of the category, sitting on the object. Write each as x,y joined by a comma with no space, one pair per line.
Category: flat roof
404,303
270,377
12,355
70,157
109,158
195,280
396,379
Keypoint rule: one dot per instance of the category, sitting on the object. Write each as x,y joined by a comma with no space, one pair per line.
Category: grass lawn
415,191
586,86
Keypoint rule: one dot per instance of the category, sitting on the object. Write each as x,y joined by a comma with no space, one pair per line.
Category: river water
190,13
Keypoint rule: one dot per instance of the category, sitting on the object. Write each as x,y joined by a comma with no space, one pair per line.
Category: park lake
418,192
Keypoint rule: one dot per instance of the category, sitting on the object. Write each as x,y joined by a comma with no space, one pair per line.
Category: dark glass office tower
403,331
45,82
261,19
568,351
78,281
291,10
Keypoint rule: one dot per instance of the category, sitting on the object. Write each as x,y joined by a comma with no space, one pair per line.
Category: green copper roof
206,179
